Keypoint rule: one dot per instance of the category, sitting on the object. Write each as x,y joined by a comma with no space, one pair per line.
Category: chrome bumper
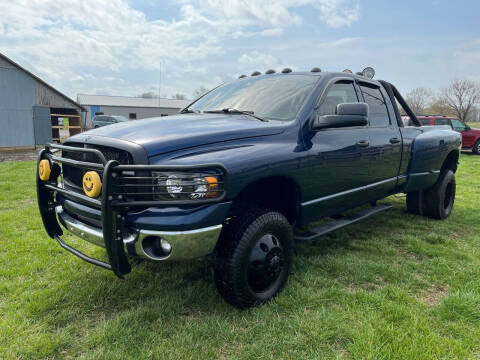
183,245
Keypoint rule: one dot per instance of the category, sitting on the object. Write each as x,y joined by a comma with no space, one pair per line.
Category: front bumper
183,245
120,228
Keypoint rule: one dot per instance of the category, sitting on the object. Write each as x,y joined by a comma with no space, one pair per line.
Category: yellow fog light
92,184
44,169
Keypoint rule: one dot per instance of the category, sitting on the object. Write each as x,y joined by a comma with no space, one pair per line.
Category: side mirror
468,128
347,115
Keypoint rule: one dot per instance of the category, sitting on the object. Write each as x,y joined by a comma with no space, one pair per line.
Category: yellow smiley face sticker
92,184
44,169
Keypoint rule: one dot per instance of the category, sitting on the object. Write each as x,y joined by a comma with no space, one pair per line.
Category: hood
169,133
474,131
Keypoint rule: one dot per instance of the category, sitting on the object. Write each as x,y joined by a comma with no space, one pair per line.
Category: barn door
42,125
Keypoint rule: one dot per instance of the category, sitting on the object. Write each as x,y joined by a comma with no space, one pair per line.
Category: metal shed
30,109
133,108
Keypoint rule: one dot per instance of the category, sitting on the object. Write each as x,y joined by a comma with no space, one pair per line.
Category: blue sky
117,47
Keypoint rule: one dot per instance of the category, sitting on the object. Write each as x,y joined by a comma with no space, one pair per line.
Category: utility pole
160,83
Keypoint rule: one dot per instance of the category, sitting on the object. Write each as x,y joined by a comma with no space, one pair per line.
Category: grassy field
395,287
474,124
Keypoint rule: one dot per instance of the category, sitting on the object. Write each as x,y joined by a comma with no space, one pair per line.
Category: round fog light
44,170
165,245
156,248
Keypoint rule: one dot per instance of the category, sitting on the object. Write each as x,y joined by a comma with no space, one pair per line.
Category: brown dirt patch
18,155
435,294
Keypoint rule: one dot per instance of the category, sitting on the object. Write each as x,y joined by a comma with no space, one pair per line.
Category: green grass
394,287
474,124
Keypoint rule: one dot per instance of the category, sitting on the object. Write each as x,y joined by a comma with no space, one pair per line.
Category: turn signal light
212,186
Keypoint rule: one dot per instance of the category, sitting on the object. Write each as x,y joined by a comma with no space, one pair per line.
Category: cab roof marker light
316,69
256,73
286,70
242,76
368,72
270,71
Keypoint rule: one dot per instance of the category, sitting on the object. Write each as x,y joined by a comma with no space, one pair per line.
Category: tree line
178,96
460,99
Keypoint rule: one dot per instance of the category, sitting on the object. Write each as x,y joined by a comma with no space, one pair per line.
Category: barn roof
41,81
126,101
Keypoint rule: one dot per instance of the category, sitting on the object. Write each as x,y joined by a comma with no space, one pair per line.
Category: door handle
363,143
394,140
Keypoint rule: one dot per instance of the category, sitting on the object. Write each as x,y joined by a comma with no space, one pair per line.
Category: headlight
186,186
174,185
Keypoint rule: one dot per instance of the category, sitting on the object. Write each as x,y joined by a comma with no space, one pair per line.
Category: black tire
439,199
415,202
254,257
476,148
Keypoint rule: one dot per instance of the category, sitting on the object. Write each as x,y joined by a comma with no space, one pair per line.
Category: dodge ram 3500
234,175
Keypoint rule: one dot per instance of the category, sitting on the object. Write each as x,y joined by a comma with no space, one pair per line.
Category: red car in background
470,137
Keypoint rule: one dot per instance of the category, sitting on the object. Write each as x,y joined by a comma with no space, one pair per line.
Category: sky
127,47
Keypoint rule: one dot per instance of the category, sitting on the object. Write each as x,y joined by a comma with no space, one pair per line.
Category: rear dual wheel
254,258
437,201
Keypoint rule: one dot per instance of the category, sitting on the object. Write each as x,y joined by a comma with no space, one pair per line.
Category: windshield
457,125
274,97
120,118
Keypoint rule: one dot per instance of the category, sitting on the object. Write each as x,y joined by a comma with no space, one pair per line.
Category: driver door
468,140
339,164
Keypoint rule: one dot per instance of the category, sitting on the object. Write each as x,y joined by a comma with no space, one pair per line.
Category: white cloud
241,13
258,58
337,13
77,45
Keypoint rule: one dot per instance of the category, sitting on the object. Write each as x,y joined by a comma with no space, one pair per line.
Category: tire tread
233,244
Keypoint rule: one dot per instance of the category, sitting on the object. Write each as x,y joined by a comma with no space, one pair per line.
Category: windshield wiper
187,111
235,111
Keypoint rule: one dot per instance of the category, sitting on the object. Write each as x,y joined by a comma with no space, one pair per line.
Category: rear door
385,151
442,121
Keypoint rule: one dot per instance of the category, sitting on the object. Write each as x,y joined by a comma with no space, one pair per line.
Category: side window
378,113
457,125
132,116
337,94
441,122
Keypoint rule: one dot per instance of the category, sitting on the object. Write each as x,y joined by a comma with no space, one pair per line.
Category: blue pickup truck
235,175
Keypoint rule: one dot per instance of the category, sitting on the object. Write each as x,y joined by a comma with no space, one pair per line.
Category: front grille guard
113,205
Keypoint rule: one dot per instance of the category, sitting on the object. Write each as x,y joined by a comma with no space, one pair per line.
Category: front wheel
254,258
476,148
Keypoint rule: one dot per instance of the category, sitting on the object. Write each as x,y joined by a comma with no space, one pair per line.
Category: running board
311,234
